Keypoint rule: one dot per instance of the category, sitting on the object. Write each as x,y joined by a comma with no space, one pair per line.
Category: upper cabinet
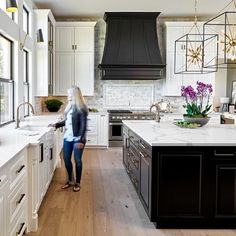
173,82
75,57
75,39
45,53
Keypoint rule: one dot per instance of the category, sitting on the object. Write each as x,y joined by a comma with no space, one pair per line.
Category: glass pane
25,66
26,99
25,20
6,102
5,58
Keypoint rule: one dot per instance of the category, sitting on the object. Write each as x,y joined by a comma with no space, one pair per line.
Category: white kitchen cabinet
75,57
97,130
3,203
45,53
16,172
79,37
103,130
173,82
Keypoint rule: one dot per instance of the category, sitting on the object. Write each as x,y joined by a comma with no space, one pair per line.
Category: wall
98,99
14,31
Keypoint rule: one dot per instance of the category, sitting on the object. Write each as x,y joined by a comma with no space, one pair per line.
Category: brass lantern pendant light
11,6
189,51
224,24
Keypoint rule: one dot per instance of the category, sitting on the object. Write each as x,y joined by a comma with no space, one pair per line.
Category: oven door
115,131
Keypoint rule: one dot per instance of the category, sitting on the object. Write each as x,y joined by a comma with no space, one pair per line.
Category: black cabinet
222,165
183,186
180,180
137,161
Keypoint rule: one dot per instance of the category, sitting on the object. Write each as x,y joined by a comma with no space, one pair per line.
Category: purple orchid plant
197,101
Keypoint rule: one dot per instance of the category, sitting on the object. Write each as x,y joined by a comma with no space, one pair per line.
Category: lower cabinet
183,186
41,166
3,203
13,195
97,130
137,157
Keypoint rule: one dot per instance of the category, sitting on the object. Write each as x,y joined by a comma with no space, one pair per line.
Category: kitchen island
185,178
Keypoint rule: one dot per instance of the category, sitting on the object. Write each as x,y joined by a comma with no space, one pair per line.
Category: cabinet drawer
134,175
134,139
92,120
133,157
17,168
145,148
16,199
3,179
92,140
224,153
92,130
19,227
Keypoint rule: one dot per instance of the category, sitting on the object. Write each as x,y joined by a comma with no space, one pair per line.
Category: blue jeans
68,148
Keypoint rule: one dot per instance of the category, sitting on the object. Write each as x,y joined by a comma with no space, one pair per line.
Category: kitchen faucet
158,108
17,112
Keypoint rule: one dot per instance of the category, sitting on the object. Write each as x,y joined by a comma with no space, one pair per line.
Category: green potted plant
53,105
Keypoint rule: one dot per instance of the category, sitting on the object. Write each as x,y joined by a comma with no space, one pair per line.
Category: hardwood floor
107,204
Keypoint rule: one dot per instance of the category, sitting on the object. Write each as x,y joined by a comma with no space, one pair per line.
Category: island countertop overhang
167,134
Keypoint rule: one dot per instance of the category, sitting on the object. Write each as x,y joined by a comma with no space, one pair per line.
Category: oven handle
115,123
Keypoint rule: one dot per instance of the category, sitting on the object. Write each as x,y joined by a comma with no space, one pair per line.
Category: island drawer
134,139
224,153
145,148
133,157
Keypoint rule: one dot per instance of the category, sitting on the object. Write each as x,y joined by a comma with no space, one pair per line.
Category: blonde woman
75,135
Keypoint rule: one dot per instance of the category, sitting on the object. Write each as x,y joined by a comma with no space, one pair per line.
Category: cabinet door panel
180,181
226,190
144,178
84,39
64,72
65,39
84,72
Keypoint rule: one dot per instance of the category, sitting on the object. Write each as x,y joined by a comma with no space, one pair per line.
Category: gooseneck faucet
158,108
17,112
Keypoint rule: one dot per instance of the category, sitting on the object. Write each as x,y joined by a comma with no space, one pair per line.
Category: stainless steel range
116,126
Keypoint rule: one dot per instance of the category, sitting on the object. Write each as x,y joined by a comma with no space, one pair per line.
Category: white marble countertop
12,141
166,133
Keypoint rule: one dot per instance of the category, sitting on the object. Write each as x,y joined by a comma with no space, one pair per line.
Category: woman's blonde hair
78,98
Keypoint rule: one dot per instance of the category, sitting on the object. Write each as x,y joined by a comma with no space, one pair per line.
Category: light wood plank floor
107,204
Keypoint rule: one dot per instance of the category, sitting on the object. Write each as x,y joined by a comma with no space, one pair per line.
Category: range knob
128,117
124,117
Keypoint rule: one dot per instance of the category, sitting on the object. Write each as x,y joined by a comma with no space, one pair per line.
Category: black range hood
131,49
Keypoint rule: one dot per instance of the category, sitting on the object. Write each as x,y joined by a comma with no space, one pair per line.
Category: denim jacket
79,124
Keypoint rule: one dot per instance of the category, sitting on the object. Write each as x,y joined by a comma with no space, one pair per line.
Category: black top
79,124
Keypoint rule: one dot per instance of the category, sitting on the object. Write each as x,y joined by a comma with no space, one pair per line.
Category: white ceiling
96,8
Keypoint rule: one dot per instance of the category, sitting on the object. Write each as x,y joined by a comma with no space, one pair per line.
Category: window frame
26,79
25,9
9,81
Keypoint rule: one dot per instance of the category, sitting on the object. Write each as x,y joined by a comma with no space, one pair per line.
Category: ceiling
96,8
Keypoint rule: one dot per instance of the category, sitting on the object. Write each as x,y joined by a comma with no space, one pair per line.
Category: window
25,20
6,81
26,81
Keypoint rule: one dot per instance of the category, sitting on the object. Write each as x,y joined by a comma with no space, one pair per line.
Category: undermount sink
30,130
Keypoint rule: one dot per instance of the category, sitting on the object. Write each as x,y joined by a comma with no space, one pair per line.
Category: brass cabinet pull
20,200
73,47
20,169
19,232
